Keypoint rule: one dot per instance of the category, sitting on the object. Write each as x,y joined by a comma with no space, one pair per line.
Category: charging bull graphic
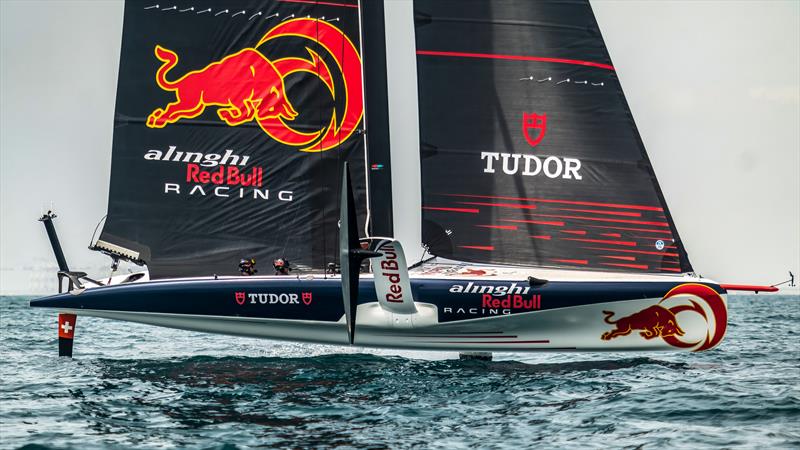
662,321
246,86
655,321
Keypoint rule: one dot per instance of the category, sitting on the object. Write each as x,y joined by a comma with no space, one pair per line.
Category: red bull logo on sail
246,87
660,321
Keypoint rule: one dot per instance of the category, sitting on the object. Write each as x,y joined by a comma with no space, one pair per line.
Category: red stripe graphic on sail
547,238
670,269
314,2
499,227
501,205
601,241
611,235
572,261
575,62
566,202
622,258
629,266
603,219
463,210
487,248
643,230
537,222
641,252
595,211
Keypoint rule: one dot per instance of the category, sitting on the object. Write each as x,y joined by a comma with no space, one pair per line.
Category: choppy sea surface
135,386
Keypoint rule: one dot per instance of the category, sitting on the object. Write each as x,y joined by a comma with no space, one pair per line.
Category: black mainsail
530,154
232,123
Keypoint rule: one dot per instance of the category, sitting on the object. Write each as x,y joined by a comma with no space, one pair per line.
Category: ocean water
135,386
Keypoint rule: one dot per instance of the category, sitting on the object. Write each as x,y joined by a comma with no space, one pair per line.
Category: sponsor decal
659,245
239,297
534,128
663,321
222,175
246,86
496,300
391,271
500,290
512,302
287,298
531,122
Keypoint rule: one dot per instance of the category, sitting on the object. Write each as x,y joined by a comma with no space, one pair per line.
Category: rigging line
364,115
322,164
91,242
289,233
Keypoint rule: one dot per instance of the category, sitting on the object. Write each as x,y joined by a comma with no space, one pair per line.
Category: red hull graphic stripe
641,252
313,2
499,227
461,210
572,261
543,341
487,248
459,336
601,241
595,211
566,202
537,222
630,266
501,205
604,219
575,62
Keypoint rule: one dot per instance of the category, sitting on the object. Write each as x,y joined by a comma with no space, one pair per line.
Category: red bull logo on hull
663,321
246,87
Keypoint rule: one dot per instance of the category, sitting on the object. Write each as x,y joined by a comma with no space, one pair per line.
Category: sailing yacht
259,131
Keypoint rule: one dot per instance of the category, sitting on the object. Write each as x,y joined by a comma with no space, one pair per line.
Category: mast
376,119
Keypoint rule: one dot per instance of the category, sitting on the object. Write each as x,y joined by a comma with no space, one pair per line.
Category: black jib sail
529,151
233,120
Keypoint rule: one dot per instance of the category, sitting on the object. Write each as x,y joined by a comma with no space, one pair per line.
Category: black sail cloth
232,124
529,151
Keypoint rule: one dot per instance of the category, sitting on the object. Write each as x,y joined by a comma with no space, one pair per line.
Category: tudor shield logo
534,127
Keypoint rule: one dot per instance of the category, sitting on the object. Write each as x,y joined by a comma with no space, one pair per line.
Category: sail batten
530,154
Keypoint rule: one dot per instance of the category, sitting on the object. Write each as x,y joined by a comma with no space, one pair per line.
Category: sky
714,87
